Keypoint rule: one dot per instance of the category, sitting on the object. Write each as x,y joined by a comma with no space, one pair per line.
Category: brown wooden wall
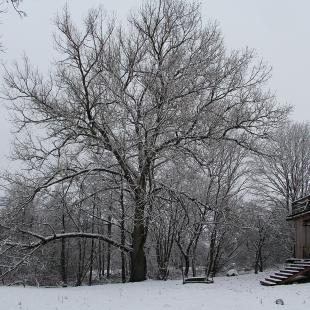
302,236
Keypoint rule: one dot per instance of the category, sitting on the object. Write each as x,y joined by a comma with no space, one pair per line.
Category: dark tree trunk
63,262
217,258
259,256
102,253
186,270
99,259
109,245
138,258
109,261
194,255
261,266
185,255
256,265
161,258
164,243
123,237
123,257
258,260
80,268
103,259
194,265
211,258
81,264
90,279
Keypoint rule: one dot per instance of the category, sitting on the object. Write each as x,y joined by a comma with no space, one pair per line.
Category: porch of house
295,270
298,267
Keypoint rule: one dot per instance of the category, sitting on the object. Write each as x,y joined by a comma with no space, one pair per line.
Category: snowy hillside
239,293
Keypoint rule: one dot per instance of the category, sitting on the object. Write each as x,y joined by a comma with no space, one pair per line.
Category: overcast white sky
278,29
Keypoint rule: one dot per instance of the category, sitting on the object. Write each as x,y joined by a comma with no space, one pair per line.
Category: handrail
306,252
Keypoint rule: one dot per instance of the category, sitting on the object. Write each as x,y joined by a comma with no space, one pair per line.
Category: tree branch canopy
125,106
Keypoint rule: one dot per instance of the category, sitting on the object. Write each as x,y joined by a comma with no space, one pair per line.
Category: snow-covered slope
239,293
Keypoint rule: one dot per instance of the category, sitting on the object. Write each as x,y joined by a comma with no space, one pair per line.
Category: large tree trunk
138,258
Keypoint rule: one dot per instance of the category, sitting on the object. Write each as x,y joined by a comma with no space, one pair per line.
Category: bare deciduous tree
134,99
284,175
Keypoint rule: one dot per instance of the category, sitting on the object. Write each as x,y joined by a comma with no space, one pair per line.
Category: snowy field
240,293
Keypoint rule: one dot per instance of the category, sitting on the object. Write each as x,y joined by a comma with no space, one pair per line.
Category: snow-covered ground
240,293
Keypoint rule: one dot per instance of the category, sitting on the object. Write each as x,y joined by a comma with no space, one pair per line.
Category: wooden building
301,216
298,267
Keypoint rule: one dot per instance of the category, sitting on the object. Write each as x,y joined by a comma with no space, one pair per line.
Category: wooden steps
294,269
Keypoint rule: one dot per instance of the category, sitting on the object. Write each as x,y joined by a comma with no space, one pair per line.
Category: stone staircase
297,268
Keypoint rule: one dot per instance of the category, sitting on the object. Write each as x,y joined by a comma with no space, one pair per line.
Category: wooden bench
197,280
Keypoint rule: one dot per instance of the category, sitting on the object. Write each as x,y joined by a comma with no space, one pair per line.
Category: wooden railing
299,208
306,252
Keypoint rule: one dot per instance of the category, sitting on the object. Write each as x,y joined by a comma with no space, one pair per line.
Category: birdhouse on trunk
301,217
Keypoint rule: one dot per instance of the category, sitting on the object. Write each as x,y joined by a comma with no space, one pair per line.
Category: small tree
284,175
